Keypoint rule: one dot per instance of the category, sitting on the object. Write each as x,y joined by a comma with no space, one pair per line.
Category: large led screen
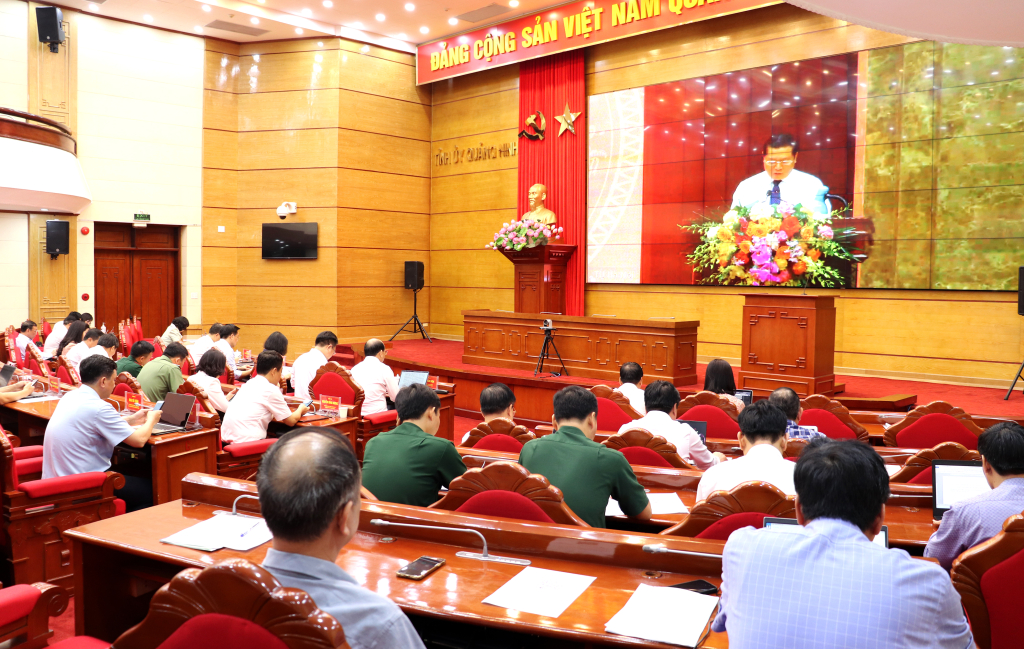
923,142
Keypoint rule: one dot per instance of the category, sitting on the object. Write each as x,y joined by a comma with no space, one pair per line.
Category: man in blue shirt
309,495
788,401
780,181
824,583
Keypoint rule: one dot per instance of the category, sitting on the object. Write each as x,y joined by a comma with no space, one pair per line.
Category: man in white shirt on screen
304,368
780,182
662,401
631,375
57,334
259,402
226,344
762,439
205,343
376,378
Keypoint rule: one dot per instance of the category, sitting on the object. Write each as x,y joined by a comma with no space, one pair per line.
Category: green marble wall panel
978,264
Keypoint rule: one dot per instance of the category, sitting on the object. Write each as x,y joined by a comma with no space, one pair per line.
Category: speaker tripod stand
545,353
417,324
1016,378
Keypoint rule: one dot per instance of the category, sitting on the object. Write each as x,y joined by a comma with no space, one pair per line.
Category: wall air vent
484,13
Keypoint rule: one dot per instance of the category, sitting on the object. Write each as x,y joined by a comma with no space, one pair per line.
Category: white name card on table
224,530
664,614
665,503
540,591
892,469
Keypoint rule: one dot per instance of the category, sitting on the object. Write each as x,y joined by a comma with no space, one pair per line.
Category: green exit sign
142,217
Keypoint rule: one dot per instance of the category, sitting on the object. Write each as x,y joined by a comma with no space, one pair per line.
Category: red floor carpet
63,627
977,401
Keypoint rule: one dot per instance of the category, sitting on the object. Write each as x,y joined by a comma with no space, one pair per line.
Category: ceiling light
93,7
356,25
328,4
207,9
410,6
261,1
424,29
298,30
199,30
513,3
307,13
148,18
254,20
453,21
380,18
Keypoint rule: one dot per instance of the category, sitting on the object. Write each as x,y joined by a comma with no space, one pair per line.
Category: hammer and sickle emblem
538,129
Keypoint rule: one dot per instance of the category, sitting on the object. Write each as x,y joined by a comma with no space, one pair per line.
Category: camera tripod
545,353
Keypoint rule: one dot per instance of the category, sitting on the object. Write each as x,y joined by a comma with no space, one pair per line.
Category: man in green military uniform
163,375
408,464
141,353
586,472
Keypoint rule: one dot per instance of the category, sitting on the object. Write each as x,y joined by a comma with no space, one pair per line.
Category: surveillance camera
286,208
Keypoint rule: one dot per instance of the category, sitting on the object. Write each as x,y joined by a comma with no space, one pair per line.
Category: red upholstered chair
504,443
36,368
46,328
65,374
28,460
641,447
720,424
749,497
498,428
613,409
918,467
231,605
158,349
125,383
707,398
35,515
988,579
723,528
352,394
26,609
929,425
510,479
831,418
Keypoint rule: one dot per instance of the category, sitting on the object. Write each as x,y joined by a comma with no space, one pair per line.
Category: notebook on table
953,481
412,377
174,412
882,538
6,374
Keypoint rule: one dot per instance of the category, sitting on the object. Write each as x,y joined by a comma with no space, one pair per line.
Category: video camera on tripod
548,327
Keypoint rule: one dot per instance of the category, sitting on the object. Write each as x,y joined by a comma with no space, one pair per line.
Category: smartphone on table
420,568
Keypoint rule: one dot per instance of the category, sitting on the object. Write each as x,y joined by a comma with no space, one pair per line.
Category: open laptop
6,374
700,426
412,377
746,396
882,538
953,481
175,409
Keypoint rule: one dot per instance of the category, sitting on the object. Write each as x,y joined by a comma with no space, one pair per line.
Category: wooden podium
788,341
540,277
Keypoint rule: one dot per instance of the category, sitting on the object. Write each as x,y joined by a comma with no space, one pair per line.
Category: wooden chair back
131,383
206,408
72,373
612,420
837,410
707,398
357,394
922,460
934,408
11,347
754,496
498,427
987,577
193,605
638,437
35,361
509,476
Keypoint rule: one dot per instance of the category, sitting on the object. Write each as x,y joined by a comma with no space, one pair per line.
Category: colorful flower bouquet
770,245
523,234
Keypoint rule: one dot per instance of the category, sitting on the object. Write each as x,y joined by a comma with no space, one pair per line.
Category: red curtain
558,162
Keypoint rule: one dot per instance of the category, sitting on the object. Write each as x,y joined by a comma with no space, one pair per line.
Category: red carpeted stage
444,357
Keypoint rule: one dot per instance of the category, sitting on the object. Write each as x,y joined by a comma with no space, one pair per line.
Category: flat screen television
289,240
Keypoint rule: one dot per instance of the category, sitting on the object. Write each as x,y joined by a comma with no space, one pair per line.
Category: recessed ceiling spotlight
513,3
199,30
453,21
328,4
207,9
298,30
424,30
93,7
410,6
307,13
254,20
356,25
380,17
148,18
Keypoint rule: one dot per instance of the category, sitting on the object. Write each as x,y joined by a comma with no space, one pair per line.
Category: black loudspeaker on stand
1020,311
414,282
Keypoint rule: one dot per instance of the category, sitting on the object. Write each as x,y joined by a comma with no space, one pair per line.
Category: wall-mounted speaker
57,235
414,275
50,22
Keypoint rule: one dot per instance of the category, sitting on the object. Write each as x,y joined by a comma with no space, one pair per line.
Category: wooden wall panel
372,190
285,305
384,153
220,188
250,225
390,306
377,76
220,149
53,283
466,166
288,110
288,71
220,110
474,85
288,149
480,114
474,192
449,303
374,228
220,266
467,230
471,268
253,270
380,267
269,188
220,303
213,219
386,116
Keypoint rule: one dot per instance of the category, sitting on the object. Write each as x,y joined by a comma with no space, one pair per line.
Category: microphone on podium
484,556
661,549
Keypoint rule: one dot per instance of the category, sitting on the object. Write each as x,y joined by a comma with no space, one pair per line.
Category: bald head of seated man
309,484
375,378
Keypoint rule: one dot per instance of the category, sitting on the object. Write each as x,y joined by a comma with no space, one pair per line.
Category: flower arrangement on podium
770,245
523,234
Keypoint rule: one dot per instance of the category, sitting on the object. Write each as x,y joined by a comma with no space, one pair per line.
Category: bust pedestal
540,277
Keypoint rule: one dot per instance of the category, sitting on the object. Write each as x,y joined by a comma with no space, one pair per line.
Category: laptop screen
956,480
176,408
6,373
412,377
882,538
746,396
700,426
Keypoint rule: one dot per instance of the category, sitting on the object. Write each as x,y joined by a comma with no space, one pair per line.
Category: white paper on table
663,614
613,509
224,530
540,591
891,469
43,397
661,503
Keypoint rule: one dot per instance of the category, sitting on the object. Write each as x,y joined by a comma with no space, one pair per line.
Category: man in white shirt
662,403
57,334
88,347
631,375
376,378
226,344
762,439
259,402
205,343
304,368
780,182
24,339
84,429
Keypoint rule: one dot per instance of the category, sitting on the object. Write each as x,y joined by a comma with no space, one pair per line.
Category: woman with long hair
76,330
718,378
209,371
278,342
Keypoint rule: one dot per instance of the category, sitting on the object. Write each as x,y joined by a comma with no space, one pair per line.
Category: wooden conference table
119,563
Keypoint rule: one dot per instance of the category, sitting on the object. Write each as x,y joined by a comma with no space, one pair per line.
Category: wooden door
52,282
154,290
113,287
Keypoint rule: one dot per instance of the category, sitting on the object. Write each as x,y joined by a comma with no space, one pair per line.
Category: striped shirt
975,520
